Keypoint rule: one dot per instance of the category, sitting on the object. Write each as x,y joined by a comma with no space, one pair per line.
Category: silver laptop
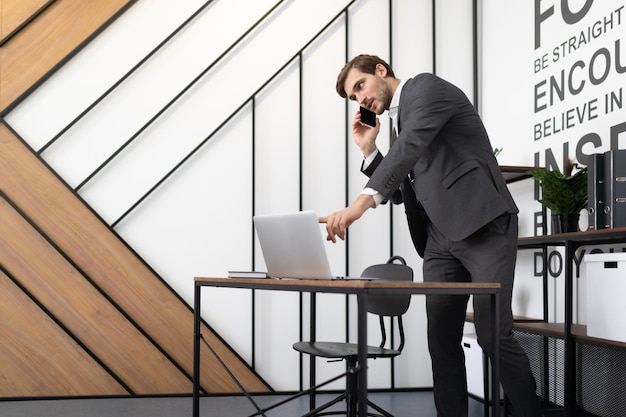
293,246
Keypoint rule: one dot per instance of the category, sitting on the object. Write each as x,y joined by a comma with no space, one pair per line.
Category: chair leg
380,410
352,390
318,410
351,397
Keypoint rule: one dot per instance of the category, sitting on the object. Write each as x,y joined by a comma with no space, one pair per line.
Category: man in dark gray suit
462,218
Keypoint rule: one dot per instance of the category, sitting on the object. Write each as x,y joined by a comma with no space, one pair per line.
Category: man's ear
381,70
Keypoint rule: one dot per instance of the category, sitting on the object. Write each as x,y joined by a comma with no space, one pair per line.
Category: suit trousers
488,255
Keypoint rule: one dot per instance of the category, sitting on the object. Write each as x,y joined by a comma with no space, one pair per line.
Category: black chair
393,306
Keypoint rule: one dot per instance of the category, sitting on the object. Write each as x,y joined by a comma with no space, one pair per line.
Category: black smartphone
368,117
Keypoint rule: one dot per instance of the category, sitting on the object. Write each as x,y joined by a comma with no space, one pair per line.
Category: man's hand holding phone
365,128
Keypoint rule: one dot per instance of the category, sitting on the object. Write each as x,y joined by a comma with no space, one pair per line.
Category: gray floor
402,404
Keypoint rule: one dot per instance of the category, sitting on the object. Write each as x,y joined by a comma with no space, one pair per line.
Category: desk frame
362,290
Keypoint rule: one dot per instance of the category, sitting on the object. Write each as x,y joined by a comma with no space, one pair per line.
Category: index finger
323,219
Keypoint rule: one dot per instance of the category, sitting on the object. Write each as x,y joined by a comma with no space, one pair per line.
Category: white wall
198,223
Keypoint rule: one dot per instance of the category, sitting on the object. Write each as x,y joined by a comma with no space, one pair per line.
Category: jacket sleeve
396,197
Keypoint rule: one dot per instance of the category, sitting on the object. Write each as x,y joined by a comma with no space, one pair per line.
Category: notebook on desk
293,246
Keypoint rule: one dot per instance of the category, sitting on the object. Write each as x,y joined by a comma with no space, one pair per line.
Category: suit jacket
443,147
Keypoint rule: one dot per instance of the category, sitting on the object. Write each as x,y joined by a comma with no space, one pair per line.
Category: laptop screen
293,245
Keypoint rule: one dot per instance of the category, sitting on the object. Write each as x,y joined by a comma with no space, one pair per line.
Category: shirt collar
395,102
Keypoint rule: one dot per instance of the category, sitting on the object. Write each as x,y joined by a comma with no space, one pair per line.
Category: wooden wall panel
83,310
27,57
14,13
39,358
114,268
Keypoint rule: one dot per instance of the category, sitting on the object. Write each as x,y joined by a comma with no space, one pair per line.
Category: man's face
369,90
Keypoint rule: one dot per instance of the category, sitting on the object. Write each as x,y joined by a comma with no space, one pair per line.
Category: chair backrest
389,305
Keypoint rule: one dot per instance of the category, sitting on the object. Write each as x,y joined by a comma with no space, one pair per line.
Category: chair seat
337,350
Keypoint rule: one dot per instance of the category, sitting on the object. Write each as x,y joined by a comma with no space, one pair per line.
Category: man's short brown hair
364,63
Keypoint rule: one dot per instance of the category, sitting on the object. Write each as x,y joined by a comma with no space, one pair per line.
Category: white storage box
474,367
606,295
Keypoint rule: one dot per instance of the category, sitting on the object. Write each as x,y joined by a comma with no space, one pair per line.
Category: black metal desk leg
196,351
486,380
313,338
495,363
362,353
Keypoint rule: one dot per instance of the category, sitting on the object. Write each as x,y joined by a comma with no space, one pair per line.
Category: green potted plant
565,194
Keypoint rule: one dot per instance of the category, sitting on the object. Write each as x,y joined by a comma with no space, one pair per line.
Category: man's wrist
369,158
365,200
369,151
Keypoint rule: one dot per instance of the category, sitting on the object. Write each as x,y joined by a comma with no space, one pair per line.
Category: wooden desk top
349,286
